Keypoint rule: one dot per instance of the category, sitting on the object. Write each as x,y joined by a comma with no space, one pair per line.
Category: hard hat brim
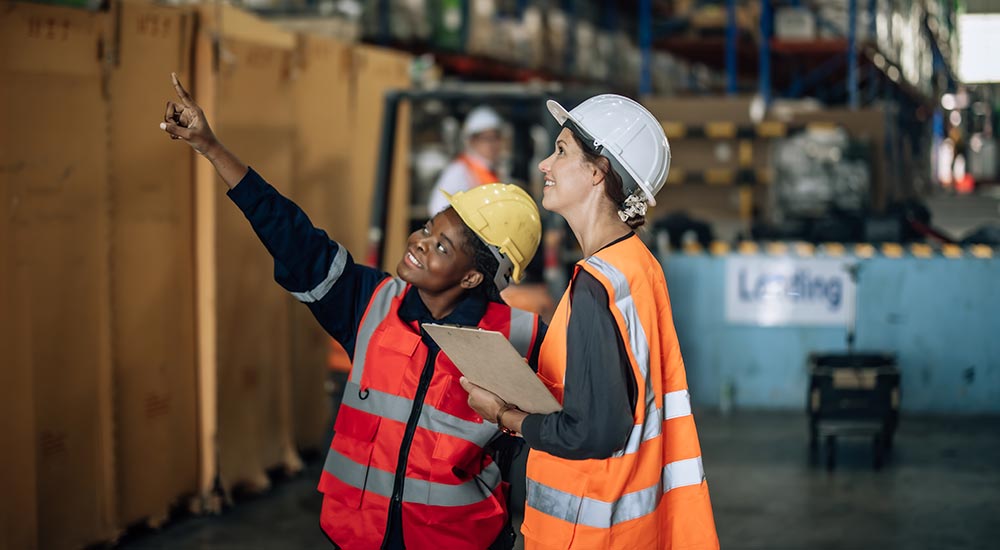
558,112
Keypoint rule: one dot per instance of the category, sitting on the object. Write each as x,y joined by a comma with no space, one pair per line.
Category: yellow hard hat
507,220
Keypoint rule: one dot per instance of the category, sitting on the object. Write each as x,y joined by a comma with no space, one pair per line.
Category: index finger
181,92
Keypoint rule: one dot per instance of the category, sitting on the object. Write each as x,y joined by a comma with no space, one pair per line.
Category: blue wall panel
940,316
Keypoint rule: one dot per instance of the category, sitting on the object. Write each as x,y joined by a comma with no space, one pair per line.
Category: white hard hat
626,134
479,120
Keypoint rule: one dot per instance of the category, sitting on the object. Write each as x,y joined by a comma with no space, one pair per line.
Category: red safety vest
452,495
652,494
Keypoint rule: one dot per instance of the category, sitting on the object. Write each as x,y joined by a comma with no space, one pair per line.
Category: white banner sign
788,291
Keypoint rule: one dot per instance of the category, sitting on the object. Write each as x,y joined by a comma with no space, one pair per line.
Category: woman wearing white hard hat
620,466
475,166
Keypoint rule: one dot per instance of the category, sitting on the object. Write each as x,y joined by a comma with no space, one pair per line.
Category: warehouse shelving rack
857,67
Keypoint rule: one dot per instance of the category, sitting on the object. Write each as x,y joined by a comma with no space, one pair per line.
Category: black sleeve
600,393
536,348
315,269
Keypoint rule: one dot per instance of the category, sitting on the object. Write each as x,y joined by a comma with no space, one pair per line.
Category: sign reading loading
788,292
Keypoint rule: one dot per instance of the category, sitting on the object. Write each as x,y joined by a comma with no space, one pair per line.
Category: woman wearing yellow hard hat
410,464
620,466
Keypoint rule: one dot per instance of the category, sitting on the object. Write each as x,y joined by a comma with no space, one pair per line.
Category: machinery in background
822,188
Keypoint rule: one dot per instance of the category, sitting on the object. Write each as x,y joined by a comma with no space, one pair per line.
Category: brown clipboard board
487,359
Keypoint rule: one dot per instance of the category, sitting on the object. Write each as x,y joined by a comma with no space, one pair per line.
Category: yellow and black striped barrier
729,130
718,176
836,250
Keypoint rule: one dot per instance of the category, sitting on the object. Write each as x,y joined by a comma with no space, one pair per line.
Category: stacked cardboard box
54,159
152,267
147,350
321,170
243,83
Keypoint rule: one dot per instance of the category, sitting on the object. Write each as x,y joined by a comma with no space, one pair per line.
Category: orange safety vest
479,171
651,494
452,493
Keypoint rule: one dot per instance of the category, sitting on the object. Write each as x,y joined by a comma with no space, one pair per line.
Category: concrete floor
940,490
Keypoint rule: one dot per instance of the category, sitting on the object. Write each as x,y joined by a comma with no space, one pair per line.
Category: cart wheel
813,443
831,452
878,451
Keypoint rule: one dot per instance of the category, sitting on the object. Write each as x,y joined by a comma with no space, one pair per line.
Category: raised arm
307,263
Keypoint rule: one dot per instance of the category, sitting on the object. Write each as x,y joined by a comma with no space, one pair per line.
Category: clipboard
488,360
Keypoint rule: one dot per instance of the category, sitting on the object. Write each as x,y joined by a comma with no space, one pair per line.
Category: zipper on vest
396,501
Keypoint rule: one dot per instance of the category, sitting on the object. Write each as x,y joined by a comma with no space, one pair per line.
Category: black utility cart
852,395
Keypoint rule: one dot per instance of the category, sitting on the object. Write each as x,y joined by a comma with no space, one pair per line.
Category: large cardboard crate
18,478
243,69
152,266
376,71
323,143
53,154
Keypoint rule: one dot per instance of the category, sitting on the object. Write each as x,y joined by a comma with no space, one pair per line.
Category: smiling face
436,259
568,175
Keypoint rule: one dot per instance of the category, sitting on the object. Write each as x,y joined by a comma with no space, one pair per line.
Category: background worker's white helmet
479,120
506,218
626,134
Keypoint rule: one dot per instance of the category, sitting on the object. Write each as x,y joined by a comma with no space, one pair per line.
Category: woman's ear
472,279
600,171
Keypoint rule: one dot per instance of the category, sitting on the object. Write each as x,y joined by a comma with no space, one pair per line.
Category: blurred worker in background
619,467
410,464
476,165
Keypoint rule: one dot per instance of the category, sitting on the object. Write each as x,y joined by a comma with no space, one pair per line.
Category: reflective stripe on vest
319,291
639,345
395,407
676,404
378,308
602,515
416,491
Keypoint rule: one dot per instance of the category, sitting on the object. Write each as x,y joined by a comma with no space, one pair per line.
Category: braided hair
484,262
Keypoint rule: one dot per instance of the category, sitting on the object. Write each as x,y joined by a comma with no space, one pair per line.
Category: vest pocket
460,437
358,425
551,517
351,455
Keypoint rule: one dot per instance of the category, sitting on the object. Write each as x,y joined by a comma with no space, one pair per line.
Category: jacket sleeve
315,269
600,393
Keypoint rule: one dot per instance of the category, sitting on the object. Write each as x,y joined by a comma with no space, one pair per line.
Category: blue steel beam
646,46
853,93
764,53
731,38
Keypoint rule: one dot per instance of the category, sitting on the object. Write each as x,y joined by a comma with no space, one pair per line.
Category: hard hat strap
505,270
